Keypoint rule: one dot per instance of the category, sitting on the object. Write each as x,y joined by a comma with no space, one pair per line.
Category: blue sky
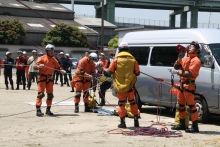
204,17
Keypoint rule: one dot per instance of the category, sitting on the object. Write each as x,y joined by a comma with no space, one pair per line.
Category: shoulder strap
33,60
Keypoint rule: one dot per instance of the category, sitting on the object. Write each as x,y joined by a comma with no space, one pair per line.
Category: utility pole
102,28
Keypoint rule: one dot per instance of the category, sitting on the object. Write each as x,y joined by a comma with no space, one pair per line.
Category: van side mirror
208,61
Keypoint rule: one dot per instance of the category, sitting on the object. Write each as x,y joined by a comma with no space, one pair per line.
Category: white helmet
98,64
24,52
67,54
93,55
40,53
50,47
61,53
34,51
8,53
123,45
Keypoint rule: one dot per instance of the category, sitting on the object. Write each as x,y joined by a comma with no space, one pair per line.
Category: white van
156,52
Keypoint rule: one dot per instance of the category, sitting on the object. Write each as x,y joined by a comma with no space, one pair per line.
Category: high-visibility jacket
124,67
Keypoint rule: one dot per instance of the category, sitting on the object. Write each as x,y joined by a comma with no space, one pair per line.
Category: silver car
74,62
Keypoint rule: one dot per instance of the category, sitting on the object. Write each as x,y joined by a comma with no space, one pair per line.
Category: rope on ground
148,131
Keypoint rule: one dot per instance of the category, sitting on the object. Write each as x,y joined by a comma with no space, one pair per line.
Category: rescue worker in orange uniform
46,65
82,78
26,68
103,60
124,78
188,71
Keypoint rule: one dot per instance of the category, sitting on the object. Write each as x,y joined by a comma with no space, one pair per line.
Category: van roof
174,36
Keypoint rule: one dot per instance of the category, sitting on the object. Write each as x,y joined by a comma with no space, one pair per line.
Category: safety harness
49,78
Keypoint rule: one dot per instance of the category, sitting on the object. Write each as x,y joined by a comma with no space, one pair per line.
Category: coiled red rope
148,131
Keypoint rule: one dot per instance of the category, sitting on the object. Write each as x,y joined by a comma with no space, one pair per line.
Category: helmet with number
93,56
98,64
50,47
8,53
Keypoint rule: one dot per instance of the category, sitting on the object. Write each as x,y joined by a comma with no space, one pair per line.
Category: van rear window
163,56
141,54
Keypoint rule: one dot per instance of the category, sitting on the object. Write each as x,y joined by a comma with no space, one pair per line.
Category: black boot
12,87
23,87
6,86
87,109
194,128
122,124
136,122
61,85
181,125
67,83
72,90
76,108
48,112
17,87
56,82
39,113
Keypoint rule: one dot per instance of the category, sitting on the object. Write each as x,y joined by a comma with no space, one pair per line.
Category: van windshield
215,48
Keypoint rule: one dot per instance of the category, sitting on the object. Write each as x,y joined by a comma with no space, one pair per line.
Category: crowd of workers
120,72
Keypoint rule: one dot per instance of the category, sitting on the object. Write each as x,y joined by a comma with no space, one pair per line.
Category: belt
190,82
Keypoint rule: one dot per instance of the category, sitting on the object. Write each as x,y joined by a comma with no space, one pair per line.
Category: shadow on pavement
209,132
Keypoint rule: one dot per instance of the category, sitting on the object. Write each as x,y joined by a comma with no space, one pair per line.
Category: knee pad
78,95
40,95
132,102
85,94
192,111
50,96
121,103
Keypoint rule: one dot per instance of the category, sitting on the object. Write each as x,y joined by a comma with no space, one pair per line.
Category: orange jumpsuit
26,68
84,68
45,78
189,64
104,63
122,96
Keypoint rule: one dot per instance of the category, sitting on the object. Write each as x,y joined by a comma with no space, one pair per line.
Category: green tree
9,30
113,43
59,37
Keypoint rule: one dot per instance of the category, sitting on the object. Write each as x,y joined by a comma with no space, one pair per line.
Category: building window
163,56
141,54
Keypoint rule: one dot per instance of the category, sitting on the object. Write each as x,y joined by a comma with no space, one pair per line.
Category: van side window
141,54
163,56
201,56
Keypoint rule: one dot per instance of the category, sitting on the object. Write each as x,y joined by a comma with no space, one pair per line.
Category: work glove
41,66
173,71
63,71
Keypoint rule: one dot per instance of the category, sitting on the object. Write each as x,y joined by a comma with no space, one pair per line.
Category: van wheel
202,108
138,100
